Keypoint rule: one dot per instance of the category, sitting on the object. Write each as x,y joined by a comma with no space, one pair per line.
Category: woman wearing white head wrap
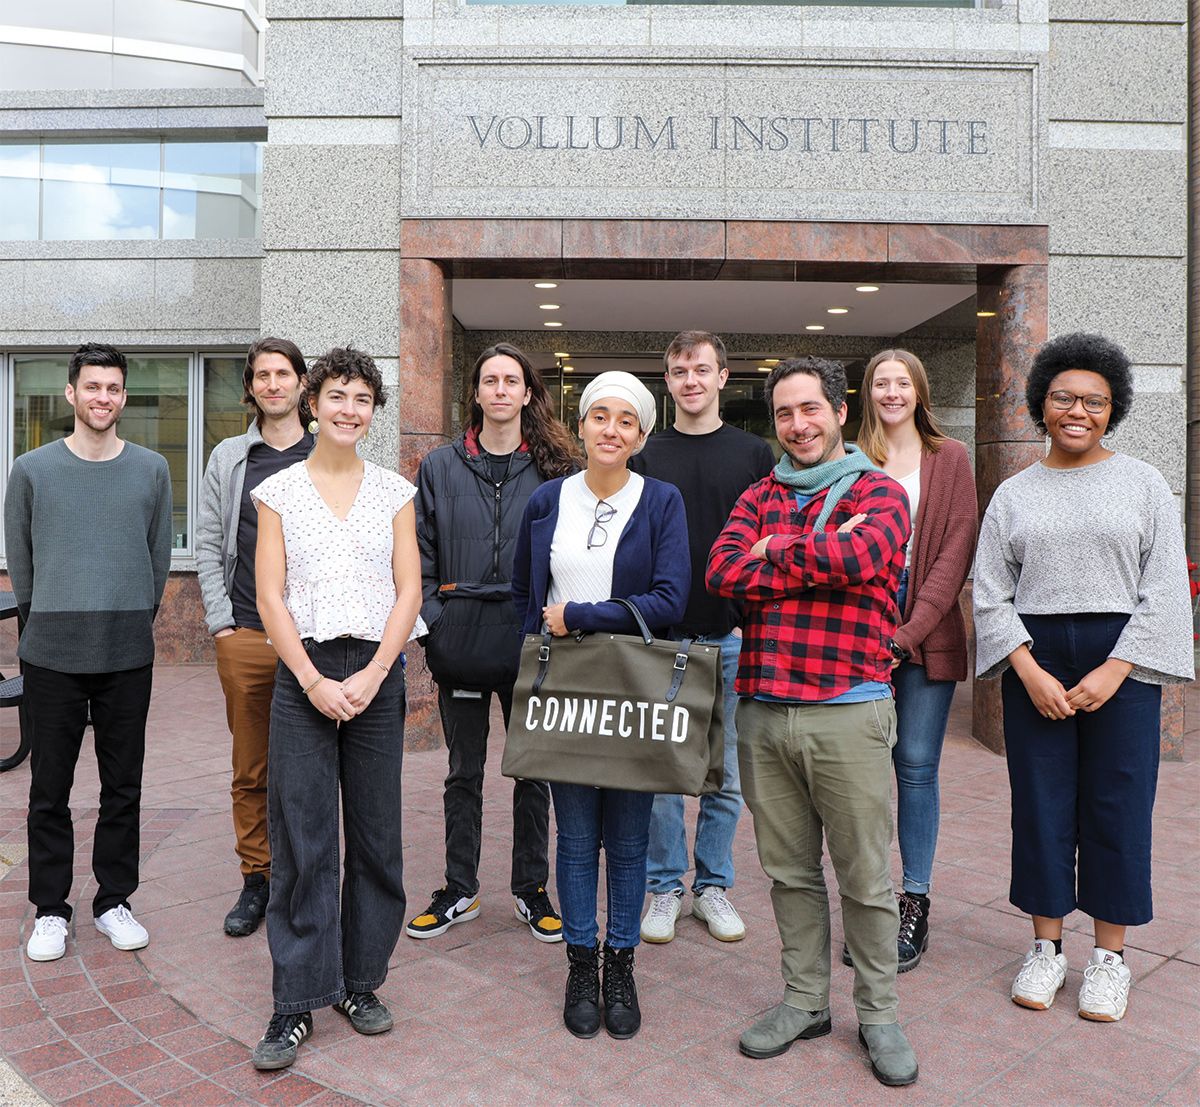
586,539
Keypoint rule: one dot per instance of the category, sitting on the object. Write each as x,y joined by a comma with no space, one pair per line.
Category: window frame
184,558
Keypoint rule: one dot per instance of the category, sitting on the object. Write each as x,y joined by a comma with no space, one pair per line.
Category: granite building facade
1033,152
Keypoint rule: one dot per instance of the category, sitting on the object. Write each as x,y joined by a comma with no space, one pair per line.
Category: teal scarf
838,476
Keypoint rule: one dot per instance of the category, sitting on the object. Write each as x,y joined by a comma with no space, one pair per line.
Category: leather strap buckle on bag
680,667
543,659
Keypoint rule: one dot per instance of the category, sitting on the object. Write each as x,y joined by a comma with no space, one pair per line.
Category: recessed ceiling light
770,361
561,353
551,323
851,391
837,311
867,288
568,368
985,314
764,368
548,307
545,284
814,327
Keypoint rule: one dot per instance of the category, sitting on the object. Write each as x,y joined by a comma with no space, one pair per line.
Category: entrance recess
1006,263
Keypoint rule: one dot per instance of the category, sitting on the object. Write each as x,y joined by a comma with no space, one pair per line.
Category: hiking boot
913,939
724,923
892,1059
1041,976
1104,994
775,1032
446,909
365,1011
658,925
539,913
250,908
622,1015
119,926
48,942
581,1009
277,1048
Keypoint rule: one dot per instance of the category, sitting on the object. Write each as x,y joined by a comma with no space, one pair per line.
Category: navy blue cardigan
652,565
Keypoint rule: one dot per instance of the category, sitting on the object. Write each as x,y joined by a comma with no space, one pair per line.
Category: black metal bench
12,692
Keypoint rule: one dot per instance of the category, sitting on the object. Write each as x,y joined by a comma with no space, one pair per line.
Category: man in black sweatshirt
712,464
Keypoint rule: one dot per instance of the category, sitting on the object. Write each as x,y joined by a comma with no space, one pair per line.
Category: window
755,3
180,404
114,190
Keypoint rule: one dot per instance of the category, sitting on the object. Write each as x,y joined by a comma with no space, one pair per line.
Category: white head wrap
624,386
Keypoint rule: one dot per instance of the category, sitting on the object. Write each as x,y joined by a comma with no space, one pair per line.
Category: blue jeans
716,825
922,711
332,931
586,818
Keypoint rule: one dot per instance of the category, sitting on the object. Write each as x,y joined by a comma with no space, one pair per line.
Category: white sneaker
119,926
1104,993
724,923
658,925
1040,978
48,942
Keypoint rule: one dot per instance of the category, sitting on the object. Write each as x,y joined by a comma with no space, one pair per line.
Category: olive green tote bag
618,711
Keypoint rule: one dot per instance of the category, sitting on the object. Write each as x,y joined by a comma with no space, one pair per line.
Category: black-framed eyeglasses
1062,400
604,514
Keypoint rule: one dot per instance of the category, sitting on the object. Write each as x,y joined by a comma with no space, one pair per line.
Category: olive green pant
809,769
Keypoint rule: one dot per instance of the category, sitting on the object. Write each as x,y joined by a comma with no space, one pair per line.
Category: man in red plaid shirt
814,554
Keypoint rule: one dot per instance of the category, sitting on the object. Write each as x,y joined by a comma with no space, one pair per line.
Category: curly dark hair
346,364
1091,352
831,374
554,450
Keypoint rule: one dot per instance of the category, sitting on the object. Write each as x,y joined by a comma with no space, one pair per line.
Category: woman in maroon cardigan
900,434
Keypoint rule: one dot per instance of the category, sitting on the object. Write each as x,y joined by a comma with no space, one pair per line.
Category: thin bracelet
385,669
313,685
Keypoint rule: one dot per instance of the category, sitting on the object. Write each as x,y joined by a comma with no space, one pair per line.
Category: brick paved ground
478,1011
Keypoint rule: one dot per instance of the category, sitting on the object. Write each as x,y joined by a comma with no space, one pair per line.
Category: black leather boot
581,1011
913,938
250,908
622,1015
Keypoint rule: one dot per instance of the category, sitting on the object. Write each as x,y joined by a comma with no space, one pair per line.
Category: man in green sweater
87,530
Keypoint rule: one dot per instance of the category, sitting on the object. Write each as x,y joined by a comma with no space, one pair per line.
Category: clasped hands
1053,701
341,700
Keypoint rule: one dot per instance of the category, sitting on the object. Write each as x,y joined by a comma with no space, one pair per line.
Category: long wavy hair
553,449
871,439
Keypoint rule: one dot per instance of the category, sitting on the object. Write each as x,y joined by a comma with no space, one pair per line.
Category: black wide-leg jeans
57,705
331,926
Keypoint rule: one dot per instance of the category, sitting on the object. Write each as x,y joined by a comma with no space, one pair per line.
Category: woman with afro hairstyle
1081,602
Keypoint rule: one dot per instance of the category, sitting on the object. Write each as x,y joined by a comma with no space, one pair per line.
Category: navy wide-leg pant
1083,787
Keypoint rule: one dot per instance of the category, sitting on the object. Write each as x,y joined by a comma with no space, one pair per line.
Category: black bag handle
643,629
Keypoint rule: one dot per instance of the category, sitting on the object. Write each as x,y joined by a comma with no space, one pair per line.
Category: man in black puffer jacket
471,495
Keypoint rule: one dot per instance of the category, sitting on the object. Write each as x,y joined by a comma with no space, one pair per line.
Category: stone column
1005,438
426,371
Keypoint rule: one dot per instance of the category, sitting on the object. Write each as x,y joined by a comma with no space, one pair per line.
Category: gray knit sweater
89,547
1101,538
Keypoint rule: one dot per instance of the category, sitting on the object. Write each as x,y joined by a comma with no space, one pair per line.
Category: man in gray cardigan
87,530
226,536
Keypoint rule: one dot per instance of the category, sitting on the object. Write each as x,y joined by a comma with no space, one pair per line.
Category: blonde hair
871,439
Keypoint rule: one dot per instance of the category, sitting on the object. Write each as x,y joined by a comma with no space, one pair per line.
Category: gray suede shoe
892,1059
774,1033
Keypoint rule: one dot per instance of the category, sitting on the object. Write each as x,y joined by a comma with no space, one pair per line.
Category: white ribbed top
577,574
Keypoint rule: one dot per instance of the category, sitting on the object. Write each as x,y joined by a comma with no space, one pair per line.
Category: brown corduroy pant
246,665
